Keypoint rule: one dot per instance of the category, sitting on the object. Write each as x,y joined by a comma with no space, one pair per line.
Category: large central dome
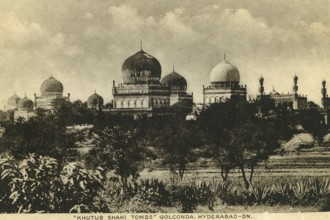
224,72
141,68
51,86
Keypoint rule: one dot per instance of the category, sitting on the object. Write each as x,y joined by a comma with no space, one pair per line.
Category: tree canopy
237,136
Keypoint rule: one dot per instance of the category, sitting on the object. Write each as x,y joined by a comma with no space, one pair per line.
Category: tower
295,85
261,88
324,94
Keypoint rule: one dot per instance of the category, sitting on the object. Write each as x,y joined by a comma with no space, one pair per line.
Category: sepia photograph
164,109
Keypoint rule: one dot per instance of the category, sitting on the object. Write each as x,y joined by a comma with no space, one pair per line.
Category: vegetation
34,184
238,137
36,175
312,122
117,149
45,134
178,140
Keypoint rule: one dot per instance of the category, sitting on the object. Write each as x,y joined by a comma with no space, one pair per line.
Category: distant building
24,109
12,103
142,92
224,80
51,94
95,102
290,100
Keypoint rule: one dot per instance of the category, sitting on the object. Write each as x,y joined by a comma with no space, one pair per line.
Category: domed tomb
141,68
175,80
225,79
51,87
94,100
13,100
224,72
25,104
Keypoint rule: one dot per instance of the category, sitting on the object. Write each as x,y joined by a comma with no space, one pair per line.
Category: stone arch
140,103
162,103
145,103
134,102
119,103
125,103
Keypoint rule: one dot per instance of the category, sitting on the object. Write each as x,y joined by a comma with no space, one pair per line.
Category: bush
36,185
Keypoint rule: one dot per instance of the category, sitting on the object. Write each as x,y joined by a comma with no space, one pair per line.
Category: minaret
295,85
261,88
324,94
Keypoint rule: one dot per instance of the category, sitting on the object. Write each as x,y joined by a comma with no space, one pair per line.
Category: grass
301,172
293,165
257,209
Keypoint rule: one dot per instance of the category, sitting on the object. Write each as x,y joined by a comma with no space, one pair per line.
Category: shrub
233,194
78,189
260,192
8,171
35,184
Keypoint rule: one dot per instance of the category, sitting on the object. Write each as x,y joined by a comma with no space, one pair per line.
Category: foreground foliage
36,185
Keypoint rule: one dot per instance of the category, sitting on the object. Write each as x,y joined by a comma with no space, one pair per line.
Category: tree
251,143
118,149
178,140
71,113
45,134
237,136
215,122
313,122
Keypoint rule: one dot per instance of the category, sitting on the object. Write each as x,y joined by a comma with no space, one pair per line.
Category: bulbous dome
224,72
51,86
94,100
175,80
141,68
13,100
25,104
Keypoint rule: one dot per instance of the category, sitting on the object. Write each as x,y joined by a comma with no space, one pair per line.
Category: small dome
13,100
175,80
51,86
224,72
94,100
25,104
273,92
141,67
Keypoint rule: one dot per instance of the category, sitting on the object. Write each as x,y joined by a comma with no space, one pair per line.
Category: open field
305,164
291,168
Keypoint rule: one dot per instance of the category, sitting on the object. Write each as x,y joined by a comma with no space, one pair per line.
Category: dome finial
95,91
224,56
173,68
141,45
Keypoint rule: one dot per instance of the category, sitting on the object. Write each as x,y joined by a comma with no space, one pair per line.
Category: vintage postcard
164,109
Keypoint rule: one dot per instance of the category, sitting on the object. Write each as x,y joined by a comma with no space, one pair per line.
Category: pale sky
84,43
